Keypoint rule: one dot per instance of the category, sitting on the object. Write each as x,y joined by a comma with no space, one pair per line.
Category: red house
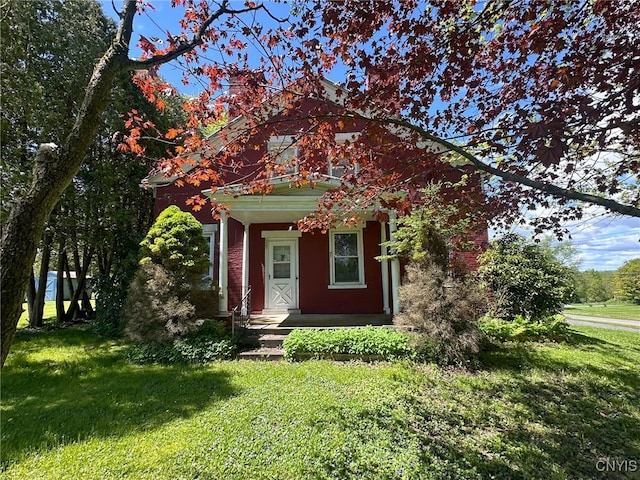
256,244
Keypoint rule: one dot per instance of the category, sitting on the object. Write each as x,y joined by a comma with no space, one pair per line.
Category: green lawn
49,313
72,407
618,310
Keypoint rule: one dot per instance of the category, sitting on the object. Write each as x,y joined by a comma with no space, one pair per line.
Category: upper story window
338,166
284,151
346,254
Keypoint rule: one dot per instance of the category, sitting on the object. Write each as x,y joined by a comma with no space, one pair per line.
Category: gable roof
269,108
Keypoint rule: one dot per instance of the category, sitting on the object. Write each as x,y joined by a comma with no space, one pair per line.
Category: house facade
256,246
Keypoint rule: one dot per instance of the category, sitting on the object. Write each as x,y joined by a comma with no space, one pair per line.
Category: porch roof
286,203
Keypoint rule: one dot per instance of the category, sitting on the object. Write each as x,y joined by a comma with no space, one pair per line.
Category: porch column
245,260
395,267
385,268
223,276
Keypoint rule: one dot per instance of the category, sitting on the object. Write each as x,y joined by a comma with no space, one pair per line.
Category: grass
619,310
49,313
72,407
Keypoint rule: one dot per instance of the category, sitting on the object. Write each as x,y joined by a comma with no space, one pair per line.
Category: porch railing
241,313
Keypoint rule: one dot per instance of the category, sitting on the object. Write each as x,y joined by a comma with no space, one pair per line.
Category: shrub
175,257
175,241
444,311
385,343
210,342
521,329
153,312
525,279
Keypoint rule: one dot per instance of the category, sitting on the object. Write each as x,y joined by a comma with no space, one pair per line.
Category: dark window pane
346,270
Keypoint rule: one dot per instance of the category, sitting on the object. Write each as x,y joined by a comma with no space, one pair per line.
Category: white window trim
279,143
360,245
210,230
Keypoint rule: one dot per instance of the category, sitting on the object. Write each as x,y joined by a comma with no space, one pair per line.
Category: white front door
282,272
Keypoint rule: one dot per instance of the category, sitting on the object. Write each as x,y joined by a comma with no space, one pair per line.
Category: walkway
599,322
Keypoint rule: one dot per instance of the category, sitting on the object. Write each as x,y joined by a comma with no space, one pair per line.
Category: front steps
265,335
263,342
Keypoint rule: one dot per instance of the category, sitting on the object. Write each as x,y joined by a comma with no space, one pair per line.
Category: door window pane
281,253
281,270
281,261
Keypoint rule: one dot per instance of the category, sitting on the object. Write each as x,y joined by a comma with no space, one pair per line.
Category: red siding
316,297
314,294
173,195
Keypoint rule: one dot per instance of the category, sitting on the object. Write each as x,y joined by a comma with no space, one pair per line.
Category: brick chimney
244,85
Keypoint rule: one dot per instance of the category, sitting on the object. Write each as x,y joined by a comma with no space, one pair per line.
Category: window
284,151
209,234
346,257
338,166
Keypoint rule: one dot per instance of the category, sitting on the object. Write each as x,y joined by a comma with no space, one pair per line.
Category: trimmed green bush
175,241
385,343
521,329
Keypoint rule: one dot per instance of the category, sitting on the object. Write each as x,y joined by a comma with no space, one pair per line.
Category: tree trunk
38,311
55,168
31,297
81,276
62,256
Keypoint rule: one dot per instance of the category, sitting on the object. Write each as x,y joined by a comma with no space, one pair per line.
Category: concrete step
262,353
263,340
268,330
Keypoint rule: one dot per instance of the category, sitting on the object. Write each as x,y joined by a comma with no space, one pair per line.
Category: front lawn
73,407
619,310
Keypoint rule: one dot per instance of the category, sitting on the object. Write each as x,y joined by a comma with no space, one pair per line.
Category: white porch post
395,267
245,260
385,268
224,263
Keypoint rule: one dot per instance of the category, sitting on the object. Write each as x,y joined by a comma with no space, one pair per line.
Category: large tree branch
197,39
549,188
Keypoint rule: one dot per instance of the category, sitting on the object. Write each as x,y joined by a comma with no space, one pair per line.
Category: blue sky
604,242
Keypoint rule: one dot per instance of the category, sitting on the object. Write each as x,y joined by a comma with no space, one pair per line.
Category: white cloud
604,242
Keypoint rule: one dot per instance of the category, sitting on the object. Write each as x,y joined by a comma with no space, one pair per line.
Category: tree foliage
541,97
174,258
55,164
525,280
594,286
175,241
627,281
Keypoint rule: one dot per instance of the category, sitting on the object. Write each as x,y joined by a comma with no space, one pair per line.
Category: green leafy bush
166,296
153,312
522,329
525,279
210,342
385,343
175,241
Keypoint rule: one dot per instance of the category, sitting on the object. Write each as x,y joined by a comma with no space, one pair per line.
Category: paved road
608,323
